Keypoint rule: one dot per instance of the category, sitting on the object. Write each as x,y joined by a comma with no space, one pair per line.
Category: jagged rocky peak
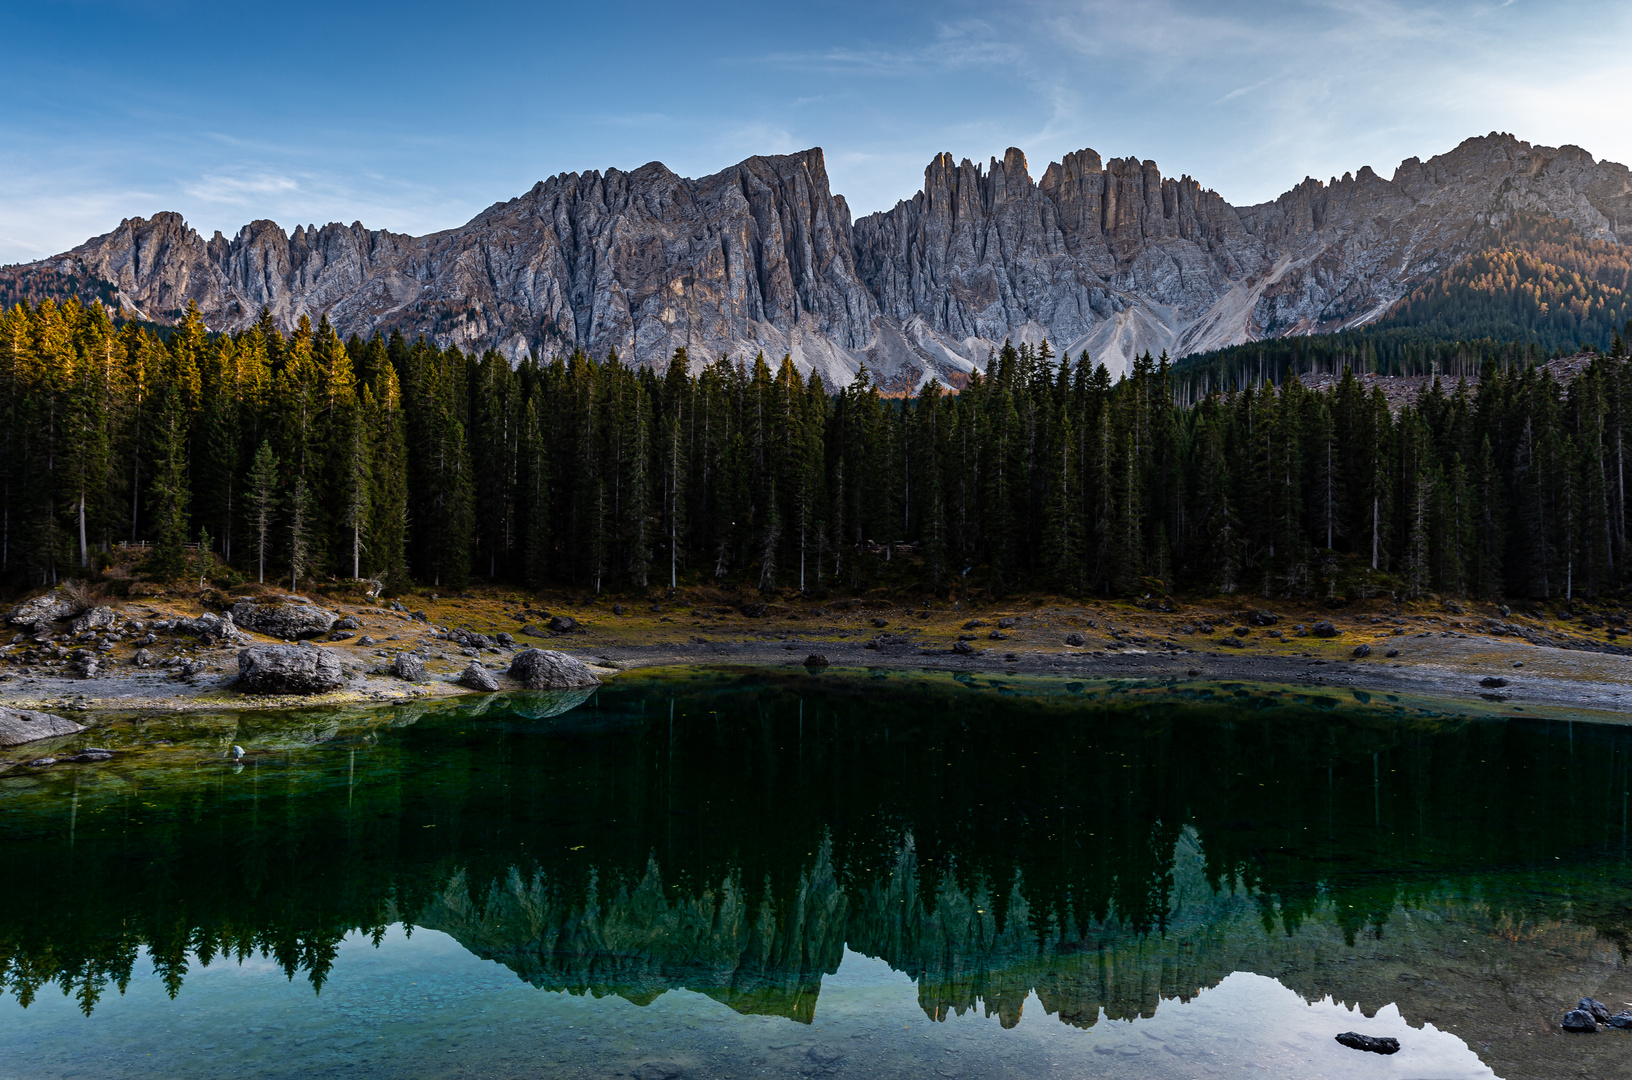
1107,256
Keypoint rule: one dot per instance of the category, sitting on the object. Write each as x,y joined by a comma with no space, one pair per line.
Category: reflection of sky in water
423,1006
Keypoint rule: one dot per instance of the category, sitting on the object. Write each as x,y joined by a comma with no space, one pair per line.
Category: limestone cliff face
1108,256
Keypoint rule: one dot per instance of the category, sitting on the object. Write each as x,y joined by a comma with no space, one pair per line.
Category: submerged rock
18,726
815,659
545,669
1370,1043
476,677
288,669
288,621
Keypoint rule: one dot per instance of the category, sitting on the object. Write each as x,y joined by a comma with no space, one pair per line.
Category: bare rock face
287,621
18,726
545,669
1112,257
288,669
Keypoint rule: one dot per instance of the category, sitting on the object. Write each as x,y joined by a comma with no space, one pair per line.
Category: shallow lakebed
774,872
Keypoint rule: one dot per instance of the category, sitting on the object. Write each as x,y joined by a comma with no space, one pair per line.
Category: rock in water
1599,1011
1580,1020
409,667
18,726
1369,1043
1323,628
288,669
288,621
545,669
815,659
476,677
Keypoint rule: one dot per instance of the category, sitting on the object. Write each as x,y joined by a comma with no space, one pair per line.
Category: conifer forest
305,458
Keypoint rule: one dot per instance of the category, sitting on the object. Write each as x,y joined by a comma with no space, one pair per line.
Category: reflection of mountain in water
764,954
1103,847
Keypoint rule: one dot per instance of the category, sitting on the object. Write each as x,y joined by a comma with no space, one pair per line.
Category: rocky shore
71,657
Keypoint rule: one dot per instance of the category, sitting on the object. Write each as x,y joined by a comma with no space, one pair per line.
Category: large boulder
409,667
476,677
18,726
287,621
44,610
288,669
545,669
98,618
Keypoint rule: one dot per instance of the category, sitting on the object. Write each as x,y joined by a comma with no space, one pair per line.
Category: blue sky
413,116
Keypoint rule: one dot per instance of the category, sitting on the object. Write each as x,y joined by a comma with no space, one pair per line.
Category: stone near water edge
97,618
1492,681
288,669
18,726
1372,1044
1392,653
816,659
1075,639
1323,628
1362,650
1599,1011
1580,1021
963,648
476,677
288,621
545,669
409,667
44,610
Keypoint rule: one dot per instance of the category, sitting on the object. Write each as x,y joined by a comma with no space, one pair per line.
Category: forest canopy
303,457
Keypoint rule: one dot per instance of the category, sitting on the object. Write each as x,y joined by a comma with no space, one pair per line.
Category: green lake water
781,873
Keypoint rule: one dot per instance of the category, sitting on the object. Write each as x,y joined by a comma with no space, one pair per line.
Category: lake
758,872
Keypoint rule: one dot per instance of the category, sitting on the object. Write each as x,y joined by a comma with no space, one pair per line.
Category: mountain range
1108,256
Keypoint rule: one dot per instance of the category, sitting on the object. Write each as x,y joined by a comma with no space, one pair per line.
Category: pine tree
263,485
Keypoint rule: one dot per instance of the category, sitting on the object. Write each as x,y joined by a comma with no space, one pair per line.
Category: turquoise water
764,873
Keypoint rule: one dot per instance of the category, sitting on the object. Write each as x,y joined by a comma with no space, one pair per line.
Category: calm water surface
756,873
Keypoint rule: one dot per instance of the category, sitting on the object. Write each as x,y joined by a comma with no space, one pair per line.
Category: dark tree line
307,457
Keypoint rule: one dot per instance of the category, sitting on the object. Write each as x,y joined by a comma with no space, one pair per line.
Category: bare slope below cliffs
1107,256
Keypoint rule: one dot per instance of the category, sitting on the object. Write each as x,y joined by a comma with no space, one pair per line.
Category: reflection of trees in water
734,841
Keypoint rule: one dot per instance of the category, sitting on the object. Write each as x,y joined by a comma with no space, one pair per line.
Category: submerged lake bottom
721,873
